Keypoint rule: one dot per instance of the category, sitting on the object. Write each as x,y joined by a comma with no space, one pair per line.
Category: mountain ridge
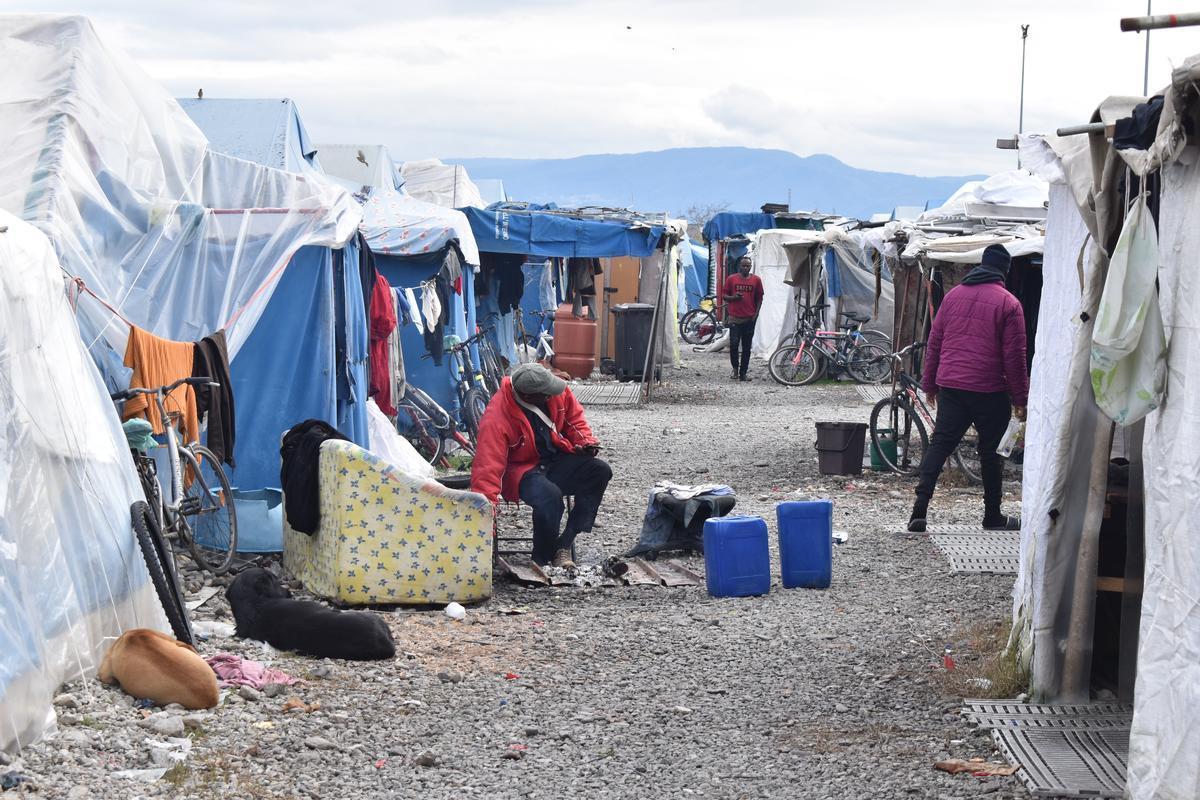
739,178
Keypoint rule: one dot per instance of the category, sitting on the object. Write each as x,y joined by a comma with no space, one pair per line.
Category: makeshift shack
1106,594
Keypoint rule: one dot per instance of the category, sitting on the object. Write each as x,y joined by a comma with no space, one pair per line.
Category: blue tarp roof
267,132
554,235
732,223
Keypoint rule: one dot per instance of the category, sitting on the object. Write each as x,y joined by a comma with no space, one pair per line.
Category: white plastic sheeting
446,185
356,166
1164,748
398,225
182,241
71,574
1016,188
1047,430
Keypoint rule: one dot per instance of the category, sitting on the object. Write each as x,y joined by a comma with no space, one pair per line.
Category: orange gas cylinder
574,342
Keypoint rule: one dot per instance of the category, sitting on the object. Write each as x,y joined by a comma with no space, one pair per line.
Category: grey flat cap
536,379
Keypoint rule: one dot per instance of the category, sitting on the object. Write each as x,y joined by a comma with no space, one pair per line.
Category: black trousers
543,489
741,334
957,410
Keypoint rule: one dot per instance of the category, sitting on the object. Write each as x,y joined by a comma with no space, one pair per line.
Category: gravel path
618,692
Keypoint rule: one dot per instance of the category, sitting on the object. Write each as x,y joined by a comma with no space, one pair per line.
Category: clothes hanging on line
211,360
396,354
404,312
581,284
414,310
435,307
158,362
382,324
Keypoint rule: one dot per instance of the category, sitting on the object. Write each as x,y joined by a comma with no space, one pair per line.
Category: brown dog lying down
153,665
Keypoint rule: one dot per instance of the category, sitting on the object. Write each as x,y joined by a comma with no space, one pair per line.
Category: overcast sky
920,87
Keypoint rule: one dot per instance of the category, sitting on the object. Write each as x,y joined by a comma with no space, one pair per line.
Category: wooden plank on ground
525,572
675,574
640,574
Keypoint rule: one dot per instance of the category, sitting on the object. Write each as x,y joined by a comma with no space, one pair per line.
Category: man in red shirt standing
743,298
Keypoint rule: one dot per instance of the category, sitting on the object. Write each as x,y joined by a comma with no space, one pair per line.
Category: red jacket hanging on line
381,323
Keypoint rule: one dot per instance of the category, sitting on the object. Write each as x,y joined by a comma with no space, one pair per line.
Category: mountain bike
820,351
904,419
473,396
808,320
160,563
197,511
702,325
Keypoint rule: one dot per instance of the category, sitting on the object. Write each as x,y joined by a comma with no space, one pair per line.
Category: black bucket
840,447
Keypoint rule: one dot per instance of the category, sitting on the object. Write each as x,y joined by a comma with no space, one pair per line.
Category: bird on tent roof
199,94
363,158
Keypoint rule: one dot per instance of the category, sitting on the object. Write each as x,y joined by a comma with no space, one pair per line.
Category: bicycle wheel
869,363
474,404
698,326
422,433
208,510
148,475
966,456
893,421
160,563
792,365
438,415
877,337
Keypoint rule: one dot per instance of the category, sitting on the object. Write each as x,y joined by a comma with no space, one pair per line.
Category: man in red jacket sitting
534,445
975,373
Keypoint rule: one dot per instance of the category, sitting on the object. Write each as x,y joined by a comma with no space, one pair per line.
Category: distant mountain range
740,178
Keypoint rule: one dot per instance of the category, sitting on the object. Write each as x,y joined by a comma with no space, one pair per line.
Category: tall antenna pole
1021,113
1146,69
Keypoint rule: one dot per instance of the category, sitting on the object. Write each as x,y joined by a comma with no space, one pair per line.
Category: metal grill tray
999,714
943,529
609,393
993,565
1068,762
995,552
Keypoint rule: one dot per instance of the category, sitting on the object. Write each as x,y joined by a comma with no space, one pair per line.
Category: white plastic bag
393,448
1128,345
1013,434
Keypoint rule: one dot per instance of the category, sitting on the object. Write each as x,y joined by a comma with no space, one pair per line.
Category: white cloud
921,87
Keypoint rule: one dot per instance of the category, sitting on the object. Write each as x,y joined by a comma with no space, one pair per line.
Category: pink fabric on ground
237,671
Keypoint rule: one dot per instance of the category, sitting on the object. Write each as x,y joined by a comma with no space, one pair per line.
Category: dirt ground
630,691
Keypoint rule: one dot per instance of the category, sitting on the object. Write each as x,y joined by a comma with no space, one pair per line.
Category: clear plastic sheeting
1016,188
446,185
71,574
178,239
359,166
1164,747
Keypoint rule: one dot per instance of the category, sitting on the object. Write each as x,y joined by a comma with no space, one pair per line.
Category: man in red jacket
743,296
535,446
975,373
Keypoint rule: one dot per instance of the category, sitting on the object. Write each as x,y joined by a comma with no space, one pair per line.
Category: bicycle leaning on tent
900,425
430,429
537,345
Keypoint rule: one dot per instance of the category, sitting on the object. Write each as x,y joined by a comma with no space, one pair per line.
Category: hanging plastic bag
1128,345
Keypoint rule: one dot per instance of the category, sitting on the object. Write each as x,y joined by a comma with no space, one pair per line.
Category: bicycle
489,361
194,515
469,385
702,325
904,418
539,345
801,364
807,321
431,429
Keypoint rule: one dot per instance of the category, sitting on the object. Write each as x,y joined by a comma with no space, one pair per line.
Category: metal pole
1146,69
1187,20
1021,114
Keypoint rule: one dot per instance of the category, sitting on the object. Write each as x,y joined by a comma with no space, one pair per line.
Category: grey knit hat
536,379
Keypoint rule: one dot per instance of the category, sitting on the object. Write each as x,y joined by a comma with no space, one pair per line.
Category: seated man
534,445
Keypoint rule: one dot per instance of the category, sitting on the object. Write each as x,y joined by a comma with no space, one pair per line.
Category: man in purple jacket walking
974,374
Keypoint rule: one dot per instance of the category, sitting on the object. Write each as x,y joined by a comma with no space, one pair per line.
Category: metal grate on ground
609,393
944,528
1000,714
1068,762
994,552
873,393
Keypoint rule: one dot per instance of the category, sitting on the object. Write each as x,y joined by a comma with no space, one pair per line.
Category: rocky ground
618,692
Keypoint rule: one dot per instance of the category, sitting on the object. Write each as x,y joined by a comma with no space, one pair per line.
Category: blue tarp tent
734,223
537,233
694,259
287,372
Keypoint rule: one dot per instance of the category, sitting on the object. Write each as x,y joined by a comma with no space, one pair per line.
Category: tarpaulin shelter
726,234
162,233
71,573
549,233
411,240
827,267
446,185
307,358
1109,549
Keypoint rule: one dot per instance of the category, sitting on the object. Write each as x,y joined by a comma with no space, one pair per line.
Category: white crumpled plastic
1128,344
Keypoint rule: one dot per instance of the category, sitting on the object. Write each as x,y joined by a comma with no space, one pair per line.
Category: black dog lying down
265,611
